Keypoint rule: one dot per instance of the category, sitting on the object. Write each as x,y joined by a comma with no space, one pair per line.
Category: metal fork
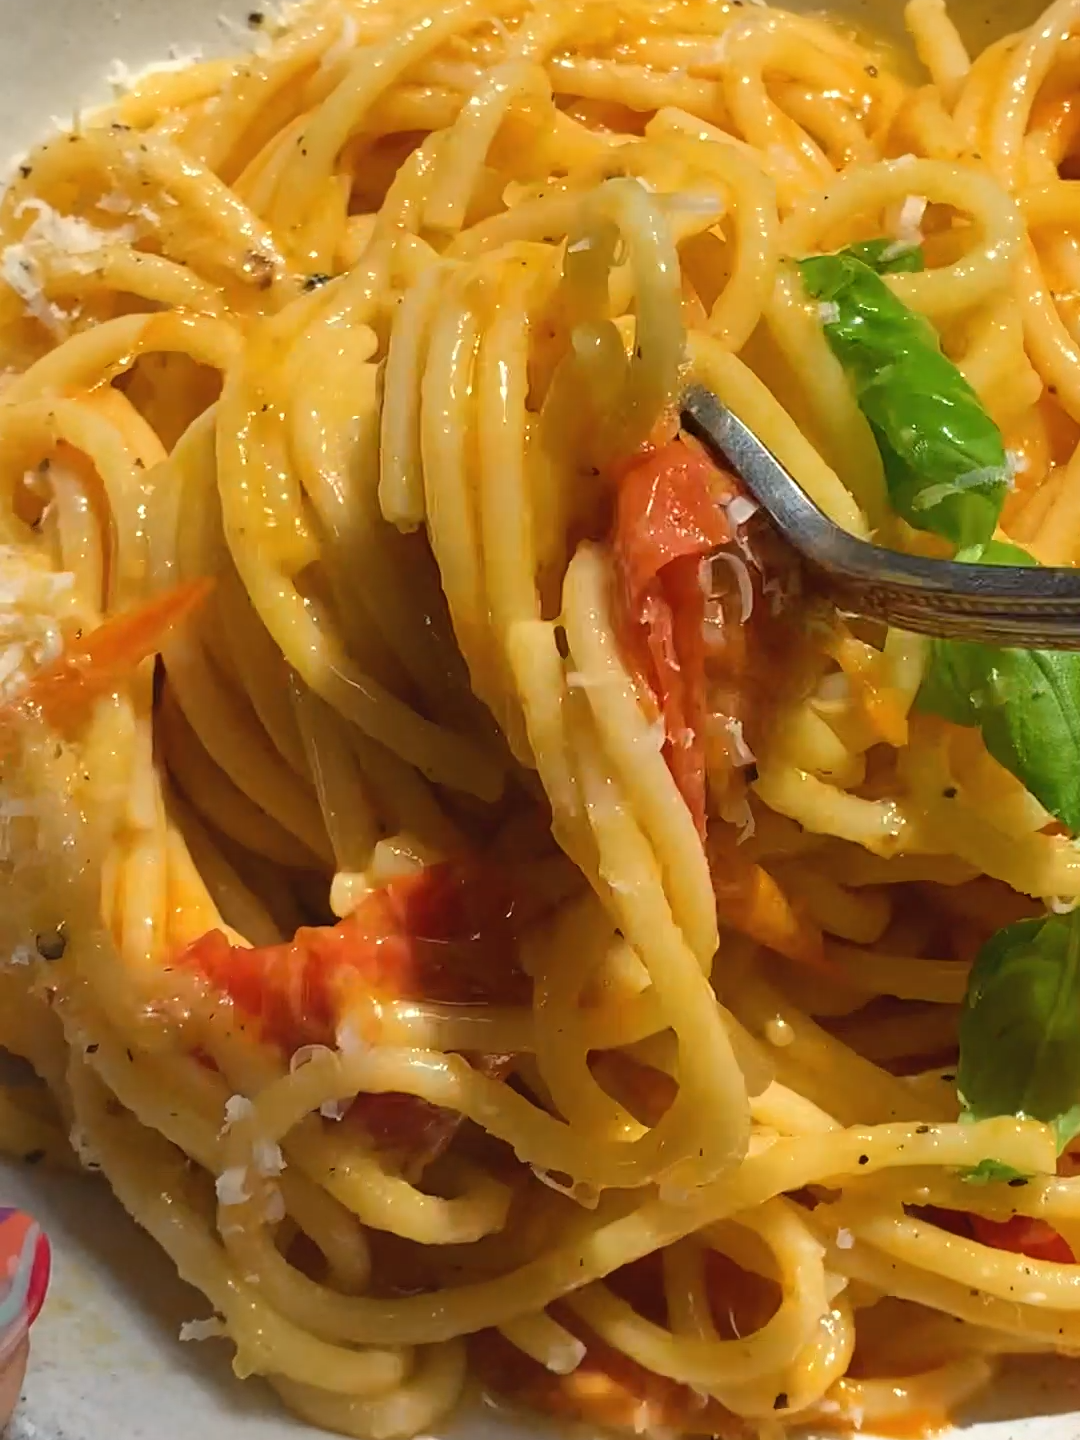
1028,607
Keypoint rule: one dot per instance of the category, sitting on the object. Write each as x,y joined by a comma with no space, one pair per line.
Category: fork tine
1023,606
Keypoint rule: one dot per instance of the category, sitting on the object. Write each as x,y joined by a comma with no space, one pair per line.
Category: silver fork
1029,607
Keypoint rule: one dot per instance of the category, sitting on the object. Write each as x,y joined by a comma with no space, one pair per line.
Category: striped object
24,1271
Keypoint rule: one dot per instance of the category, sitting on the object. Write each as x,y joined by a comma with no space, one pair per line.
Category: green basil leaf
889,257
944,459
995,552
993,1172
1025,702
1020,1025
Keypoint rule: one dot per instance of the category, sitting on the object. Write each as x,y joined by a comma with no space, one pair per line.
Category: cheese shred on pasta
455,959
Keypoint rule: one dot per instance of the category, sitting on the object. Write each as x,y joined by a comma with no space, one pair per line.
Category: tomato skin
1023,1236
667,519
445,934
666,510
99,661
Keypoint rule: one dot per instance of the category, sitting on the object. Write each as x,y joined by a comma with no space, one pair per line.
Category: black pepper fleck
872,71
52,947
26,171
256,18
864,1159
313,282
34,1157
922,1129
949,793
780,1403
93,1049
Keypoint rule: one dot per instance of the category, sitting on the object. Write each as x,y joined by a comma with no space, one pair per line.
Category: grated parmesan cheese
307,1053
202,1329
64,235
739,509
122,78
237,1108
711,585
844,1240
231,1186
21,272
274,1209
267,1158
737,812
910,219
733,739
69,235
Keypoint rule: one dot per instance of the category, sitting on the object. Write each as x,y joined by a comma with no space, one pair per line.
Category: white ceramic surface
107,1363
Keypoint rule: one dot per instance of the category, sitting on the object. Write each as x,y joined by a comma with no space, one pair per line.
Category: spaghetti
471,904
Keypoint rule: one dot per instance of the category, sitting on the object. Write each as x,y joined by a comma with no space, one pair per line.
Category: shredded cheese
267,1158
231,1186
237,1108
122,78
202,1329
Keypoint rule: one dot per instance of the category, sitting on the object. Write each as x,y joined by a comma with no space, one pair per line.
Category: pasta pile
438,987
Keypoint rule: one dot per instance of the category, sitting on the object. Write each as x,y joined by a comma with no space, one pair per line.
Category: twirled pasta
360,326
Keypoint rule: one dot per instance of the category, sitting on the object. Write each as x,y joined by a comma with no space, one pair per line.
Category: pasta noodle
363,911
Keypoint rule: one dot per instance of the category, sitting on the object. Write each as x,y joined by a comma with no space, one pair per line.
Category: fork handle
1033,607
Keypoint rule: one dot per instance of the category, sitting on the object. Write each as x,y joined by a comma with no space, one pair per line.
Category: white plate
106,1363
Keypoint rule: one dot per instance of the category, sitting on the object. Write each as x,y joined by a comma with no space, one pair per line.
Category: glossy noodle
481,912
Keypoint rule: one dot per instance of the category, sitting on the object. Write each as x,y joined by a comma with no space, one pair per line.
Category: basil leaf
1025,702
995,552
945,463
1020,1026
888,257
993,1172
